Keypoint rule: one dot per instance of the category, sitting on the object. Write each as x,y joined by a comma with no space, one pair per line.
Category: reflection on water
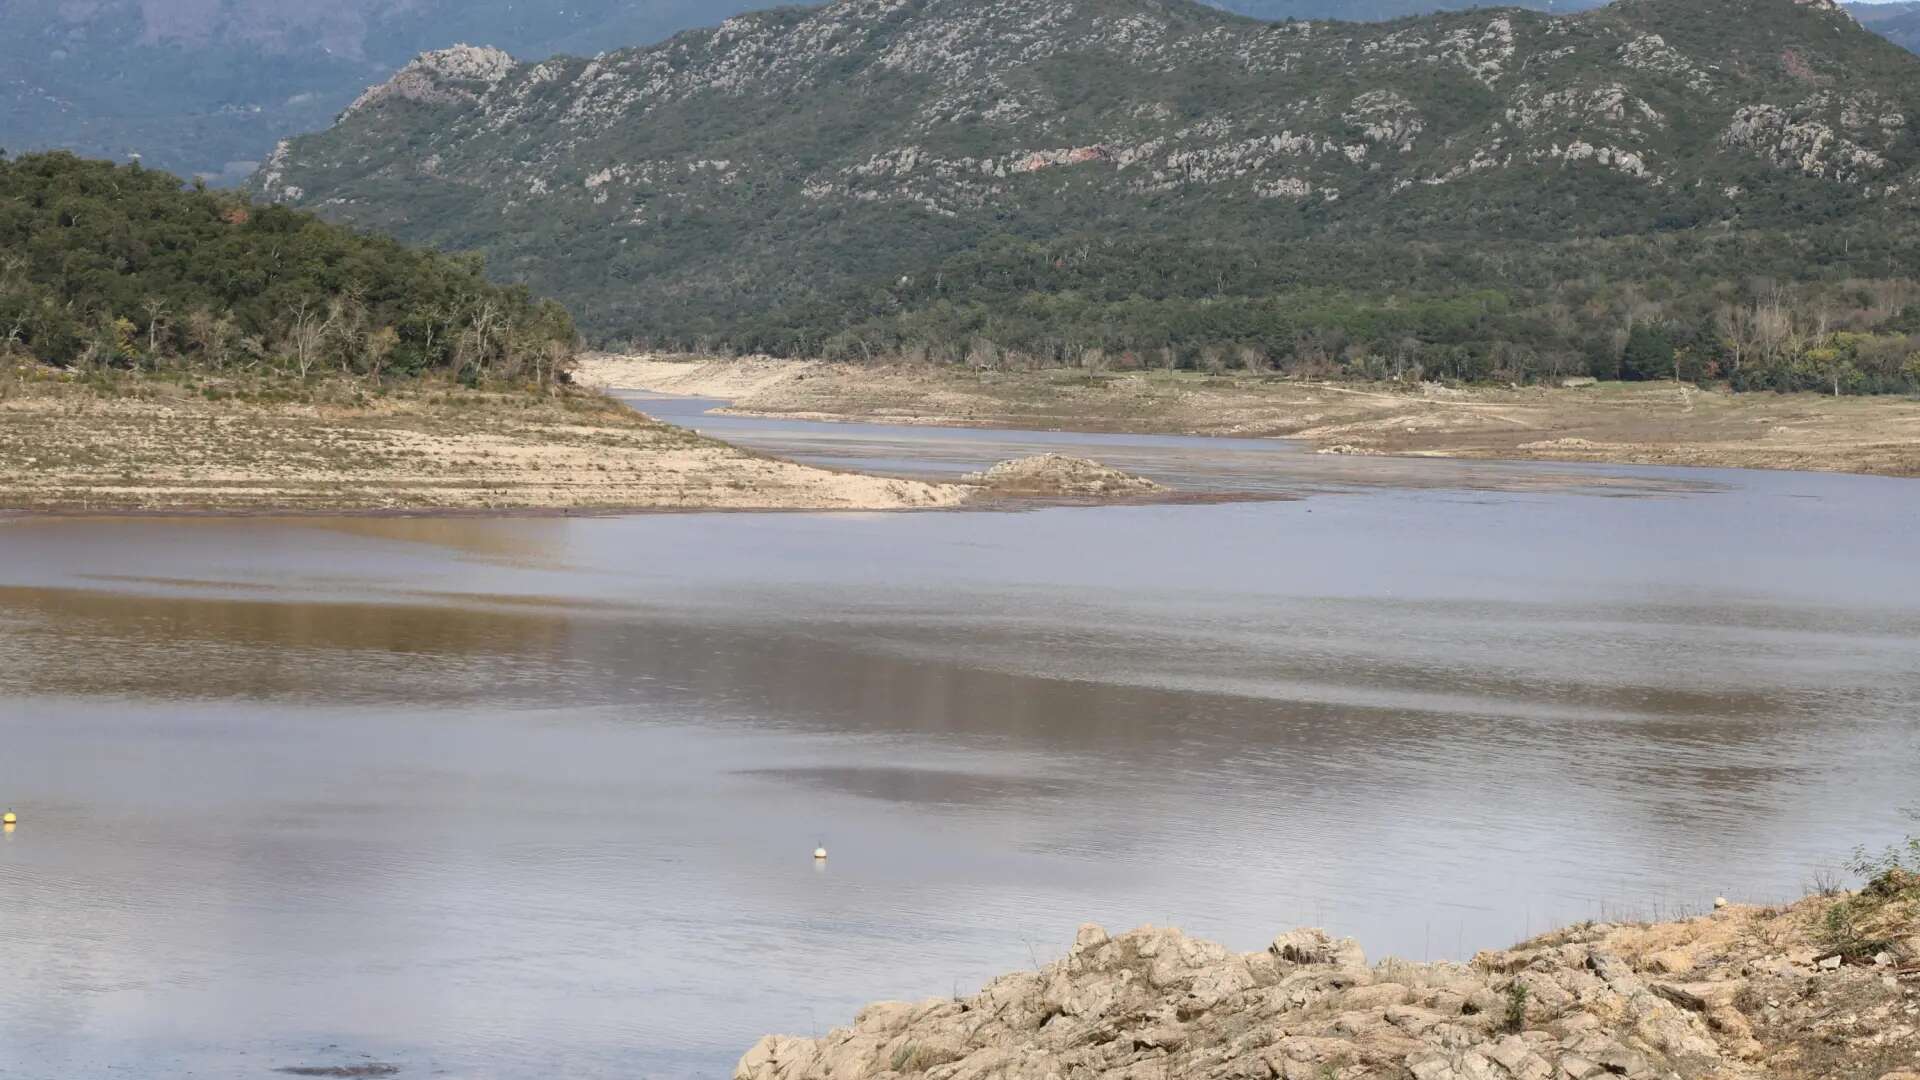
535,797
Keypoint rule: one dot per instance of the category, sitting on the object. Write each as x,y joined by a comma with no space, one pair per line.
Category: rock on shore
1056,475
1737,994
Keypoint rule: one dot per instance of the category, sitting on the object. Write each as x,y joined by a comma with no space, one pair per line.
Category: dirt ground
1629,423
131,443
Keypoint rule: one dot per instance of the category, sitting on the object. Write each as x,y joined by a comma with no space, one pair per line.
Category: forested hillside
118,266
1677,186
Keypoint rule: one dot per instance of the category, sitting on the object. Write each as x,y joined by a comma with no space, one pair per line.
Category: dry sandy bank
149,444
1643,423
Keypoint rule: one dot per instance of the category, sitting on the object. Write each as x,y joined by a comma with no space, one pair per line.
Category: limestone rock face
1594,1001
446,76
1313,946
1154,1002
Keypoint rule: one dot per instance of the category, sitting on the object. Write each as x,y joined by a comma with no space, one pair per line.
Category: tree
1648,353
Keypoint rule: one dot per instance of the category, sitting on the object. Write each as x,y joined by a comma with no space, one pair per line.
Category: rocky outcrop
1056,475
1742,993
444,77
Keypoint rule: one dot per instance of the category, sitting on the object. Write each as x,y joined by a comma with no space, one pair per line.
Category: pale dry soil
1744,993
148,444
1628,423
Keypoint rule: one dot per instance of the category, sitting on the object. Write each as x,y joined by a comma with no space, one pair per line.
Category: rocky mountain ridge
207,86
790,153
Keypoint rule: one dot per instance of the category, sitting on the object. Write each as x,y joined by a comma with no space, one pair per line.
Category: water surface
529,797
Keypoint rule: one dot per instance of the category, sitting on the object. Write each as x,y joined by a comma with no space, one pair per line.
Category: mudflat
141,443
1623,423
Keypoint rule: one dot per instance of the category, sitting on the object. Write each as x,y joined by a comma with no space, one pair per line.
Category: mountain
1384,10
1131,171
1897,22
1892,20
208,86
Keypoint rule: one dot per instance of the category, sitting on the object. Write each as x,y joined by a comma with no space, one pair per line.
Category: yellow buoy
8,819
818,853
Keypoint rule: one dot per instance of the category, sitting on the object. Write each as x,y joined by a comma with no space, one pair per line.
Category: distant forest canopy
106,265
119,266
1738,309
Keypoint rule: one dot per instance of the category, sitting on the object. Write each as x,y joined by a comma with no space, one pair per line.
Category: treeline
1729,311
105,265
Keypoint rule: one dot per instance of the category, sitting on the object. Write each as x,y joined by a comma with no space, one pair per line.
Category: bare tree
211,336
983,355
1735,330
157,313
559,357
378,348
307,333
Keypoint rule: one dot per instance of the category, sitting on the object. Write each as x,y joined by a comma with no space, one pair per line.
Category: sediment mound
1059,475
1569,443
1742,993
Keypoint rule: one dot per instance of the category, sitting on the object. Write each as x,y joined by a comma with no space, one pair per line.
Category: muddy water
536,797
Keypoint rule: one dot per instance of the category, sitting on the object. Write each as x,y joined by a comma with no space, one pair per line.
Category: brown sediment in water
1618,423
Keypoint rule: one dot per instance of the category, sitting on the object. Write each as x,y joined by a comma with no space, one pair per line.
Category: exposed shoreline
148,445
1743,993
1628,424
133,445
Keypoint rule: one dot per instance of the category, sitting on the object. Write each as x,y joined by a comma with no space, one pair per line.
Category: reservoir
520,797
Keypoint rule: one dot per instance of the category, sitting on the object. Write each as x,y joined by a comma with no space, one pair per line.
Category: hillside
1879,17
107,266
207,86
1383,10
1132,175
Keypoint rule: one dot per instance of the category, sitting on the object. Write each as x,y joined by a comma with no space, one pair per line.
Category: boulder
1312,945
